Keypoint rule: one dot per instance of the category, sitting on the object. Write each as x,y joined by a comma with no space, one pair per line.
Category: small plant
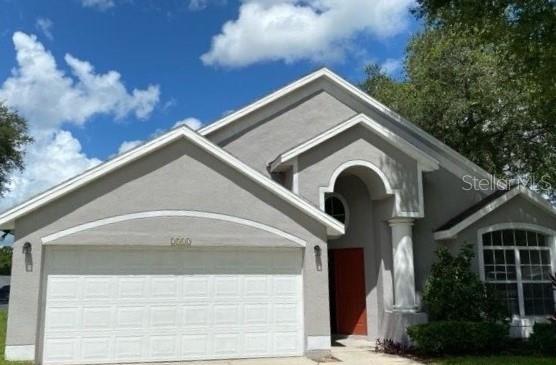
543,339
389,346
458,337
455,293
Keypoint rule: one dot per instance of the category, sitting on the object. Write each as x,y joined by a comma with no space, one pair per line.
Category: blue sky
166,50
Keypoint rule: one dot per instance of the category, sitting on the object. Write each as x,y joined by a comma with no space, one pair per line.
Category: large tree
480,77
13,137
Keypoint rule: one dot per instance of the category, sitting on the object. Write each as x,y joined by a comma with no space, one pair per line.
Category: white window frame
550,235
344,203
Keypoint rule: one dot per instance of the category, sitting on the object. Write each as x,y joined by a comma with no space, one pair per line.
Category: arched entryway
358,195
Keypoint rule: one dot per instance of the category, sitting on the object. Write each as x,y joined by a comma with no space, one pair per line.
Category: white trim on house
427,162
530,195
365,98
7,219
19,352
522,324
323,190
318,343
343,200
172,213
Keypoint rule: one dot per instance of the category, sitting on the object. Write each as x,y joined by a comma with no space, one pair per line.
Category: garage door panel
98,288
96,318
128,348
96,349
176,314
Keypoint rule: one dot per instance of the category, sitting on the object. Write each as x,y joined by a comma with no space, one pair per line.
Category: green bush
458,337
543,339
453,292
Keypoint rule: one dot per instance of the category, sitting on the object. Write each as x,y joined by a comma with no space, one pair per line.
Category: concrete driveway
344,352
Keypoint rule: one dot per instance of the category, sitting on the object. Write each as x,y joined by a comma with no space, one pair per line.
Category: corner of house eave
7,225
444,235
335,232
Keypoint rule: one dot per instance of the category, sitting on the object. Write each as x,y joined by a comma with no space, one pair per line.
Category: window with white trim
335,206
517,263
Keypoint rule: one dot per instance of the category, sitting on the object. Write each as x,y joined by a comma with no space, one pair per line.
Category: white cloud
292,30
195,5
52,158
45,26
98,4
48,98
128,145
391,66
192,123
43,93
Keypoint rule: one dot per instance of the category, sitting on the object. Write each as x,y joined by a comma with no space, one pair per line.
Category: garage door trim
49,239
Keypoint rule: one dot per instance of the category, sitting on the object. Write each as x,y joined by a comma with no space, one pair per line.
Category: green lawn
3,322
496,360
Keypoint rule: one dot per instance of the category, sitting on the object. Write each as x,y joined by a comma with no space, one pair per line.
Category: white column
404,271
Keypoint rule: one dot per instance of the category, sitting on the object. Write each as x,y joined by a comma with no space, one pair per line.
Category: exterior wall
286,124
444,198
301,115
358,235
179,176
316,166
517,210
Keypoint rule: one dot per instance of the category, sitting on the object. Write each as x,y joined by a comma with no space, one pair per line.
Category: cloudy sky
95,78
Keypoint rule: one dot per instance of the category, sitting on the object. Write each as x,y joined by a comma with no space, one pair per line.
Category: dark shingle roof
473,209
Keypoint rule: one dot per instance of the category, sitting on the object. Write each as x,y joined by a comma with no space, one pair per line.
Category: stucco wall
317,165
517,210
444,198
180,176
359,235
282,126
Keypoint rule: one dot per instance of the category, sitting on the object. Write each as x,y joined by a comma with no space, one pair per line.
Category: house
314,211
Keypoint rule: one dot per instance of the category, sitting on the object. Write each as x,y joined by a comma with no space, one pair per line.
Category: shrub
454,293
389,346
553,279
543,339
458,337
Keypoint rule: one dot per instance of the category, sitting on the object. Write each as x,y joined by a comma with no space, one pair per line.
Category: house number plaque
181,242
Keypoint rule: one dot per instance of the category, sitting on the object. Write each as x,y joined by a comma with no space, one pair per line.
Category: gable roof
359,94
427,162
492,202
7,219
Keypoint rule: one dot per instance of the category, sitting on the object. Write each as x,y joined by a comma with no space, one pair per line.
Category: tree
526,28
454,293
5,260
13,137
482,80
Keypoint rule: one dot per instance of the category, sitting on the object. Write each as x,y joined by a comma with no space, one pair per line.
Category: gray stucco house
314,211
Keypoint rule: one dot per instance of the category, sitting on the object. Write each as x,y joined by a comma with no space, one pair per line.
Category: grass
495,360
3,324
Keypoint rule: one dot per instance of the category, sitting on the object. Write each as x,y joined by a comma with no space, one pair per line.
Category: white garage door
130,305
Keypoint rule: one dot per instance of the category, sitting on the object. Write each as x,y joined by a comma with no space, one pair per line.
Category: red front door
347,289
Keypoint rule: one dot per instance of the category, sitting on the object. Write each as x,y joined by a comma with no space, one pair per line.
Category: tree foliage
13,137
5,260
454,293
481,77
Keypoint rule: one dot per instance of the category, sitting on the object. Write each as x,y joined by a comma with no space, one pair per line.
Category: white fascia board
427,162
7,218
530,195
230,118
360,94
334,228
